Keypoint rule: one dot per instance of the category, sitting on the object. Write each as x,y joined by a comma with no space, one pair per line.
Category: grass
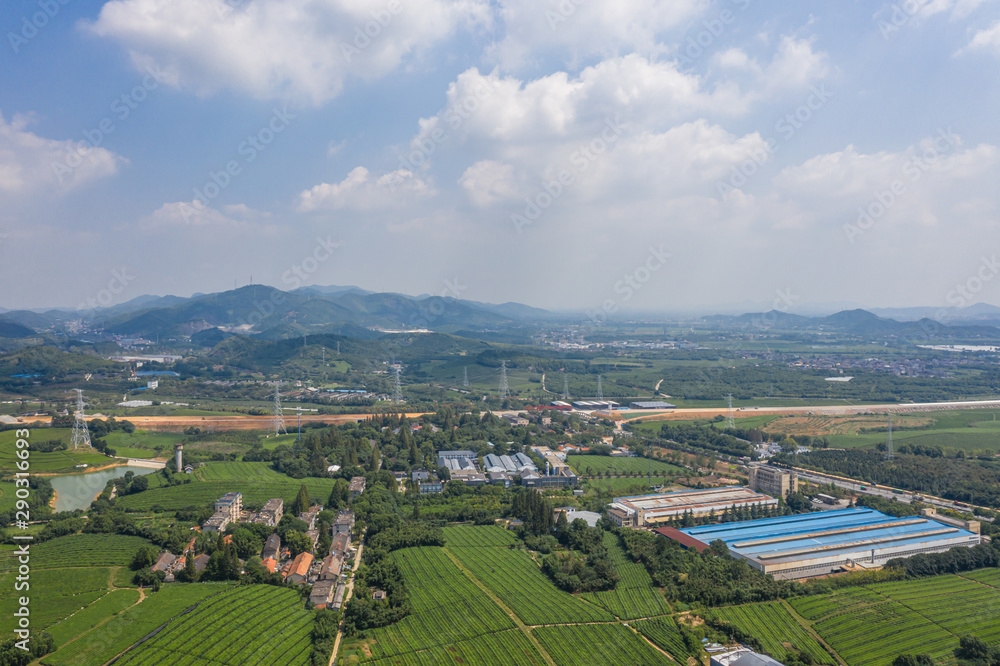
590,465
228,629
47,463
54,594
515,578
173,498
447,607
775,628
84,620
132,625
606,644
505,648
86,550
634,596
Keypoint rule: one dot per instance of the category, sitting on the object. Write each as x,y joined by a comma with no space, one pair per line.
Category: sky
626,156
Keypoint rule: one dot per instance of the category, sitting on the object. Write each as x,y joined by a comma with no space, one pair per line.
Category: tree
298,543
302,502
913,660
189,574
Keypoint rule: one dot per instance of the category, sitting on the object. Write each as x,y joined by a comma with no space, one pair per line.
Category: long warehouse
649,510
815,544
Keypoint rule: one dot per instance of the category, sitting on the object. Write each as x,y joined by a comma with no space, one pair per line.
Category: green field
874,624
249,624
84,620
7,496
634,596
143,443
775,628
664,633
621,487
469,536
605,644
590,465
505,648
173,498
129,627
86,550
45,463
54,594
447,607
520,584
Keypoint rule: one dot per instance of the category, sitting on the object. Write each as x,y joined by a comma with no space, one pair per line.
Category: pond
77,491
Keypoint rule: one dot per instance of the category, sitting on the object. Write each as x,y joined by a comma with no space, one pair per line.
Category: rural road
347,597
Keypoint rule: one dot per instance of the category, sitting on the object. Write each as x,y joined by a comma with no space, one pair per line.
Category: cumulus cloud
195,214
301,50
574,29
29,163
361,191
488,182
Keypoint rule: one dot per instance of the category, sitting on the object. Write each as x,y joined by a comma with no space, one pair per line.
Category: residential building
340,545
217,523
272,512
344,523
298,573
200,562
357,486
230,504
270,564
310,516
427,487
332,565
271,547
420,475
338,597
322,593
164,562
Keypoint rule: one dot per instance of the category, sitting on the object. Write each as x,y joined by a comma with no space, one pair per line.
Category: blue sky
427,157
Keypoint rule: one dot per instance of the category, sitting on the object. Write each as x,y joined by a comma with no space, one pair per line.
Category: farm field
47,463
620,487
7,496
775,628
56,594
84,620
469,536
173,498
227,629
143,443
85,550
250,471
521,585
664,633
502,649
132,625
590,465
634,596
872,625
606,644
447,607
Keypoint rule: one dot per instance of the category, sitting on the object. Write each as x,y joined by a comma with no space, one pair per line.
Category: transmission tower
465,378
565,395
730,423
888,440
81,434
504,386
600,390
277,420
397,388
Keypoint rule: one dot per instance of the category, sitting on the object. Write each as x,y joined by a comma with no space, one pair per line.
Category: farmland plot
605,644
775,628
634,596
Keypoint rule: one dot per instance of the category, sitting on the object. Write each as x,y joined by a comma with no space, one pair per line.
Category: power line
600,389
730,423
504,386
397,388
465,378
277,420
888,440
565,395
81,434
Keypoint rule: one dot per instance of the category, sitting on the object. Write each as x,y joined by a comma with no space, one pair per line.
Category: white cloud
300,50
29,163
194,214
488,182
360,191
987,40
576,29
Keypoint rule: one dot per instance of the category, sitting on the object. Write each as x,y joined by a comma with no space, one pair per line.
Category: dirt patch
841,425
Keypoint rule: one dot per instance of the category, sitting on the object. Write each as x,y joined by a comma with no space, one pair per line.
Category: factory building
651,510
773,480
817,544
650,404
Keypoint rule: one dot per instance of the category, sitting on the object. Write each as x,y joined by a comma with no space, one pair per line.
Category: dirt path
513,616
347,596
812,632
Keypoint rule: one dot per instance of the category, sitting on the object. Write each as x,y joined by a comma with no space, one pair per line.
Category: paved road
833,410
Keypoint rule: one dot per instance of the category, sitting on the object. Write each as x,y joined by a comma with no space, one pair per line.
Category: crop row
201,493
110,604
986,576
634,596
247,625
664,632
821,606
469,536
447,606
520,584
506,648
130,626
86,550
605,644
773,625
